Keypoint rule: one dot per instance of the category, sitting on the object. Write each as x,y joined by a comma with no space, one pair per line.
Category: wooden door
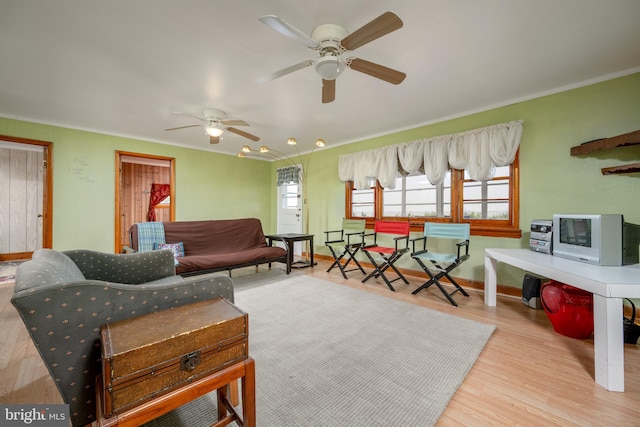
136,174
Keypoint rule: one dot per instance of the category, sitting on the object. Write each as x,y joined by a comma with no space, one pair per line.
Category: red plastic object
569,309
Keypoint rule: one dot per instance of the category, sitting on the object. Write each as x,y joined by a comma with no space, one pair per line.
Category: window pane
362,196
472,210
498,189
502,171
426,210
290,197
362,203
498,210
417,181
362,211
414,196
392,197
472,190
392,200
393,211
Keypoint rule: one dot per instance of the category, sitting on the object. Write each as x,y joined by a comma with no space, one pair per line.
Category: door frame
118,208
47,195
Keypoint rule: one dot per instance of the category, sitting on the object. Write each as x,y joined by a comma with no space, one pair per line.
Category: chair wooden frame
389,255
444,263
353,230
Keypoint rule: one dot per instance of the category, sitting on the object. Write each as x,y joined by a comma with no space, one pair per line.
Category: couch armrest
64,321
132,269
128,250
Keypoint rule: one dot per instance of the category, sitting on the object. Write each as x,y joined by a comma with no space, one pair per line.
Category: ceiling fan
216,124
330,41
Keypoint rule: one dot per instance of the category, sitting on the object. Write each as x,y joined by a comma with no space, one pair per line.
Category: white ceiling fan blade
190,115
285,71
183,127
288,30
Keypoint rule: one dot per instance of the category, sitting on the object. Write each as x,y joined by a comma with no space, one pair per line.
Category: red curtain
158,193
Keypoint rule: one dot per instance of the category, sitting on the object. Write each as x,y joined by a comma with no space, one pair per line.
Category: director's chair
388,255
442,263
350,241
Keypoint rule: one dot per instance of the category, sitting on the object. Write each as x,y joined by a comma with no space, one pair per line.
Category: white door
290,212
21,195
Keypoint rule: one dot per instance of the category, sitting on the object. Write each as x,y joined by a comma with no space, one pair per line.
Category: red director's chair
388,255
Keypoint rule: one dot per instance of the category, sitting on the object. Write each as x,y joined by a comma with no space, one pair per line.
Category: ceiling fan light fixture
214,130
329,67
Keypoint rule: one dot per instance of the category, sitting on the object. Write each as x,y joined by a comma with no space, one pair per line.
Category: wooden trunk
153,354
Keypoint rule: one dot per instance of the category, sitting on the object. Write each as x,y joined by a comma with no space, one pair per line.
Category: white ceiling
124,67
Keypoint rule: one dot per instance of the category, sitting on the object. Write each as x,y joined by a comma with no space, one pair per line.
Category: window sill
514,233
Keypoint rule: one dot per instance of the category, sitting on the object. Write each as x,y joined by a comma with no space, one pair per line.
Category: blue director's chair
442,263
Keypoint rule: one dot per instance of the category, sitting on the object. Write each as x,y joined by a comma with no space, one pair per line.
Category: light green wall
208,184
551,181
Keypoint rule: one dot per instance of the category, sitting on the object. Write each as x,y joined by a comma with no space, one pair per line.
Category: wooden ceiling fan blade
284,71
382,25
232,122
183,127
214,139
243,133
328,91
288,30
378,71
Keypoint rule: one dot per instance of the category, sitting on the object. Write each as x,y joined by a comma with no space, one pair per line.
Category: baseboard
504,290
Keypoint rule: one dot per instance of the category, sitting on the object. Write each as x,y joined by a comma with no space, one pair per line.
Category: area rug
330,355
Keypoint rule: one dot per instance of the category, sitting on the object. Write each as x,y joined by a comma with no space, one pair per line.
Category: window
290,196
491,206
415,197
165,203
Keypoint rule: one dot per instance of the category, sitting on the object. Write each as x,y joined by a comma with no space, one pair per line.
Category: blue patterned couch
64,298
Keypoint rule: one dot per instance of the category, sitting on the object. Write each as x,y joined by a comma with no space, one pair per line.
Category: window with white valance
477,151
288,175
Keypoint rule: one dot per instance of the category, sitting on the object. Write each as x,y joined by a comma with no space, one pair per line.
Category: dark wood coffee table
289,239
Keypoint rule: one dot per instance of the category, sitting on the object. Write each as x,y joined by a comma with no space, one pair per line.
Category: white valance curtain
478,152
288,175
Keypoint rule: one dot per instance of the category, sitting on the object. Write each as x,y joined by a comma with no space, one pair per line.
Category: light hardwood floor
527,375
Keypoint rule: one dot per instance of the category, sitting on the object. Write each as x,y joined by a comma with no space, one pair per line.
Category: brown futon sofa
215,245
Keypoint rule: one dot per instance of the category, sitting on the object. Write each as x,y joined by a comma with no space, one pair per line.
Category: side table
244,370
289,239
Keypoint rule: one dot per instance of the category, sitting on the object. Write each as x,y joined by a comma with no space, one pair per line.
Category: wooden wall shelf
631,138
634,167
627,139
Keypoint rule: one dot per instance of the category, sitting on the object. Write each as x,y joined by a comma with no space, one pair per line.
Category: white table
608,285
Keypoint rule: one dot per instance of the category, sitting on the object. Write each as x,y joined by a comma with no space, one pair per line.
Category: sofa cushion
221,261
216,236
47,266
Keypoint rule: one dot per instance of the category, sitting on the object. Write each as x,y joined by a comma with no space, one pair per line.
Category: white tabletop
609,282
